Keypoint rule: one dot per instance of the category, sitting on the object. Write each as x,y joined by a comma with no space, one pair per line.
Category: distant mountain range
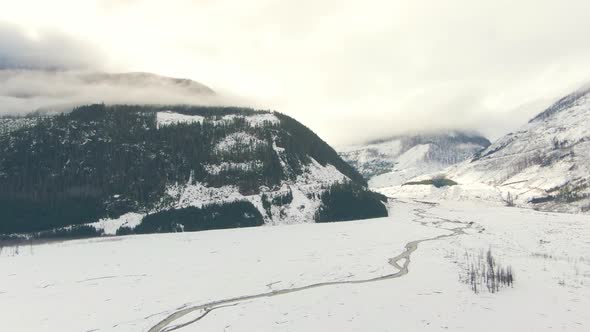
395,160
141,169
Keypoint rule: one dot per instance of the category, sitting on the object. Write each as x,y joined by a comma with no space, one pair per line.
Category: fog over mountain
54,72
23,91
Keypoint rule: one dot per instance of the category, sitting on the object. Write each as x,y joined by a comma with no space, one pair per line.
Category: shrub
483,272
509,200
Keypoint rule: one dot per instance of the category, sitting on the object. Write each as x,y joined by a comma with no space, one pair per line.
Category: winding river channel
400,262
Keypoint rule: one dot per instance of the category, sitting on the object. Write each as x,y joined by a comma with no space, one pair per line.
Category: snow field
131,283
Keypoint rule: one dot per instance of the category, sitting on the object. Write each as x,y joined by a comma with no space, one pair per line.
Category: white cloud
22,48
382,66
23,91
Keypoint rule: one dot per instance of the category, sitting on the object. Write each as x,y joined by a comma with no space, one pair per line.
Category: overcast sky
350,70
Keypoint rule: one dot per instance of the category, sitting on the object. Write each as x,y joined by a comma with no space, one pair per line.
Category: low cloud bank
25,91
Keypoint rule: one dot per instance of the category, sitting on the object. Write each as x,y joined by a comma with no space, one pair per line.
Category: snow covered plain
135,283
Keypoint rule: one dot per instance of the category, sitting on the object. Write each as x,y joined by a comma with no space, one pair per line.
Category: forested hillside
98,163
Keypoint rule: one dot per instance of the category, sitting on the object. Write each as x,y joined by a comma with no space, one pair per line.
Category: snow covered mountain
125,169
395,160
545,164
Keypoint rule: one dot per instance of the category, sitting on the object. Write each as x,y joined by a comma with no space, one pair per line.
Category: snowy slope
132,283
167,118
545,164
396,160
315,179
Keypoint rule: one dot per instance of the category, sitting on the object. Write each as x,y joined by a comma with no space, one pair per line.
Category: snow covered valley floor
402,273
